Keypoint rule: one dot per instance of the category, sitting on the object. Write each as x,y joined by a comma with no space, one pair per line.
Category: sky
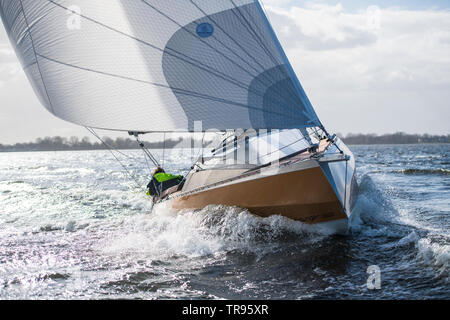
367,66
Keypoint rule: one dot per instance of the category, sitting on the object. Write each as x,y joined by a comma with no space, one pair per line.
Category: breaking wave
435,254
210,231
441,171
375,215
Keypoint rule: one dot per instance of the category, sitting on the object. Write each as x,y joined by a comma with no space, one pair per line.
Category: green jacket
162,176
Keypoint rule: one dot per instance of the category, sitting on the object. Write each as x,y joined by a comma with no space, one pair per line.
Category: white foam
211,231
410,238
434,254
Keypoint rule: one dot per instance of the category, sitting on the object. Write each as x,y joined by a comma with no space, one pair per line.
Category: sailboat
145,66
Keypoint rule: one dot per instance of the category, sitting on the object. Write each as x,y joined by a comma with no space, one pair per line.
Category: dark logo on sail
205,30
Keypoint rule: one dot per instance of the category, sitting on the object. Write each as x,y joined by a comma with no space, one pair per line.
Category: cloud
372,70
22,118
10,71
321,27
4,51
10,68
373,64
406,46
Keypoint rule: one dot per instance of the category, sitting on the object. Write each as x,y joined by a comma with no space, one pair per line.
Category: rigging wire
164,151
149,170
145,150
284,147
147,164
195,159
303,138
110,148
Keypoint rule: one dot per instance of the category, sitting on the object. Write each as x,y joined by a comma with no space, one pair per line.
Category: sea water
76,225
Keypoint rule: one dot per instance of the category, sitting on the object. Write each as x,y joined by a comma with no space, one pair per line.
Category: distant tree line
395,138
75,143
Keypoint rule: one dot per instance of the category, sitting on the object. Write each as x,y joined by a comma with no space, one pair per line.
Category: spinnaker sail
157,65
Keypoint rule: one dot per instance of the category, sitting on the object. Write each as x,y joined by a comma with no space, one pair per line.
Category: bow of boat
313,190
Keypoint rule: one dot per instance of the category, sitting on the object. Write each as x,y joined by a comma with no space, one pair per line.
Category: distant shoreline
394,139
174,148
75,144
50,144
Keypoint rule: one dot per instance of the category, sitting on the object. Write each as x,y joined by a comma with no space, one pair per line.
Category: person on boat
162,181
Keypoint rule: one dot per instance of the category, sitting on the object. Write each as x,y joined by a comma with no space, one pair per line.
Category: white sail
157,65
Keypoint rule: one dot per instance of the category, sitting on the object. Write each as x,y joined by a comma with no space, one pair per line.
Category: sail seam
308,107
5,12
232,39
137,63
281,100
15,18
241,18
259,41
270,80
35,54
179,90
29,65
175,54
259,34
206,43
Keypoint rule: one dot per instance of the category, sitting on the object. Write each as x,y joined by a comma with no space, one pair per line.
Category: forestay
157,65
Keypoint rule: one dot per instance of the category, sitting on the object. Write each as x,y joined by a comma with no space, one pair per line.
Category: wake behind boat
180,65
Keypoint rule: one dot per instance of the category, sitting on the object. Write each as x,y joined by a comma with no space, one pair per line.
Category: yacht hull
311,191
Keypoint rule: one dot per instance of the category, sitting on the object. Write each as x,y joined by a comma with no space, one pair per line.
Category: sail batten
157,65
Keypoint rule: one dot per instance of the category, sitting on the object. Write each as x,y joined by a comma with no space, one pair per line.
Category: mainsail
157,65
